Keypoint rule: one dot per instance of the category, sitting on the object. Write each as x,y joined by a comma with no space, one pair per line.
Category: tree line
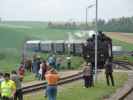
122,24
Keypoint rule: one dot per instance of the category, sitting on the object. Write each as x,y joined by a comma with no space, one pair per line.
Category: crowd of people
39,65
10,86
11,83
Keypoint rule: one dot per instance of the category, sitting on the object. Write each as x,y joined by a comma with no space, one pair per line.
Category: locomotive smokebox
104,49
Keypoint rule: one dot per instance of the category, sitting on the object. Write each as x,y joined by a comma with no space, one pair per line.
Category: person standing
40,72
87,75
54,62
69,62
92,66
58,63
44,67
1,80
35,67
1,77
7,88
38,63
52,78
109,72
21,72
28,65
50,60
14,77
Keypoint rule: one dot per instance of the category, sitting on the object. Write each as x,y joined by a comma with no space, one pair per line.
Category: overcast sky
62,10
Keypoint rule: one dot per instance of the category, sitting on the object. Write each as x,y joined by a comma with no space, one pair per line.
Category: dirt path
121,36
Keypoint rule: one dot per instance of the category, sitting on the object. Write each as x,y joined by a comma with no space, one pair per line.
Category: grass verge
75,91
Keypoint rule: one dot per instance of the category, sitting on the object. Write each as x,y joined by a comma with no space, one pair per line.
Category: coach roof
33,42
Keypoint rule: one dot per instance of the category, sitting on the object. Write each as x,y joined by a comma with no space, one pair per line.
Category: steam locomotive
104,49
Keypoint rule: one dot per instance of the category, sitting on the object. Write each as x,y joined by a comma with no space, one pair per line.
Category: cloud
62,9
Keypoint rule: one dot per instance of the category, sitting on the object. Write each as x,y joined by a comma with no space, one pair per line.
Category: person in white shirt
40,72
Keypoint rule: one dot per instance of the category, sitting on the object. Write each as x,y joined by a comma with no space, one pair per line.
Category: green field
14,34
125,46
77,92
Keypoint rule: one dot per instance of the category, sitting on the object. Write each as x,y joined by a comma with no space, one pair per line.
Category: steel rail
43,85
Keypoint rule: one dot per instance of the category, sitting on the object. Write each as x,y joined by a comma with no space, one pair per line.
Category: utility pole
86,16
96,44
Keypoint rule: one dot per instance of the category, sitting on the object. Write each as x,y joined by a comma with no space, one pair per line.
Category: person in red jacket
21,71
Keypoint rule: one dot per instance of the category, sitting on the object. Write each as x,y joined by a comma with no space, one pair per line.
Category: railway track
126,92
125,64
126,96
43,85
67,79
129,53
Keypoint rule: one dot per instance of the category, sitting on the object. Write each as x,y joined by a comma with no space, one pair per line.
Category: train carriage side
78,47
46,46
59,47
33,45
69,47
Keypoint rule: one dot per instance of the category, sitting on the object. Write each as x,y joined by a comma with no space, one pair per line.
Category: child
87,75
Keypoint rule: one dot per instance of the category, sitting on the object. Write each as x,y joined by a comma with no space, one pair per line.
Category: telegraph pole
96,44
86,16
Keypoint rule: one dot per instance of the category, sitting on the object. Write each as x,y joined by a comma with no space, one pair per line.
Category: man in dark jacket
109,72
